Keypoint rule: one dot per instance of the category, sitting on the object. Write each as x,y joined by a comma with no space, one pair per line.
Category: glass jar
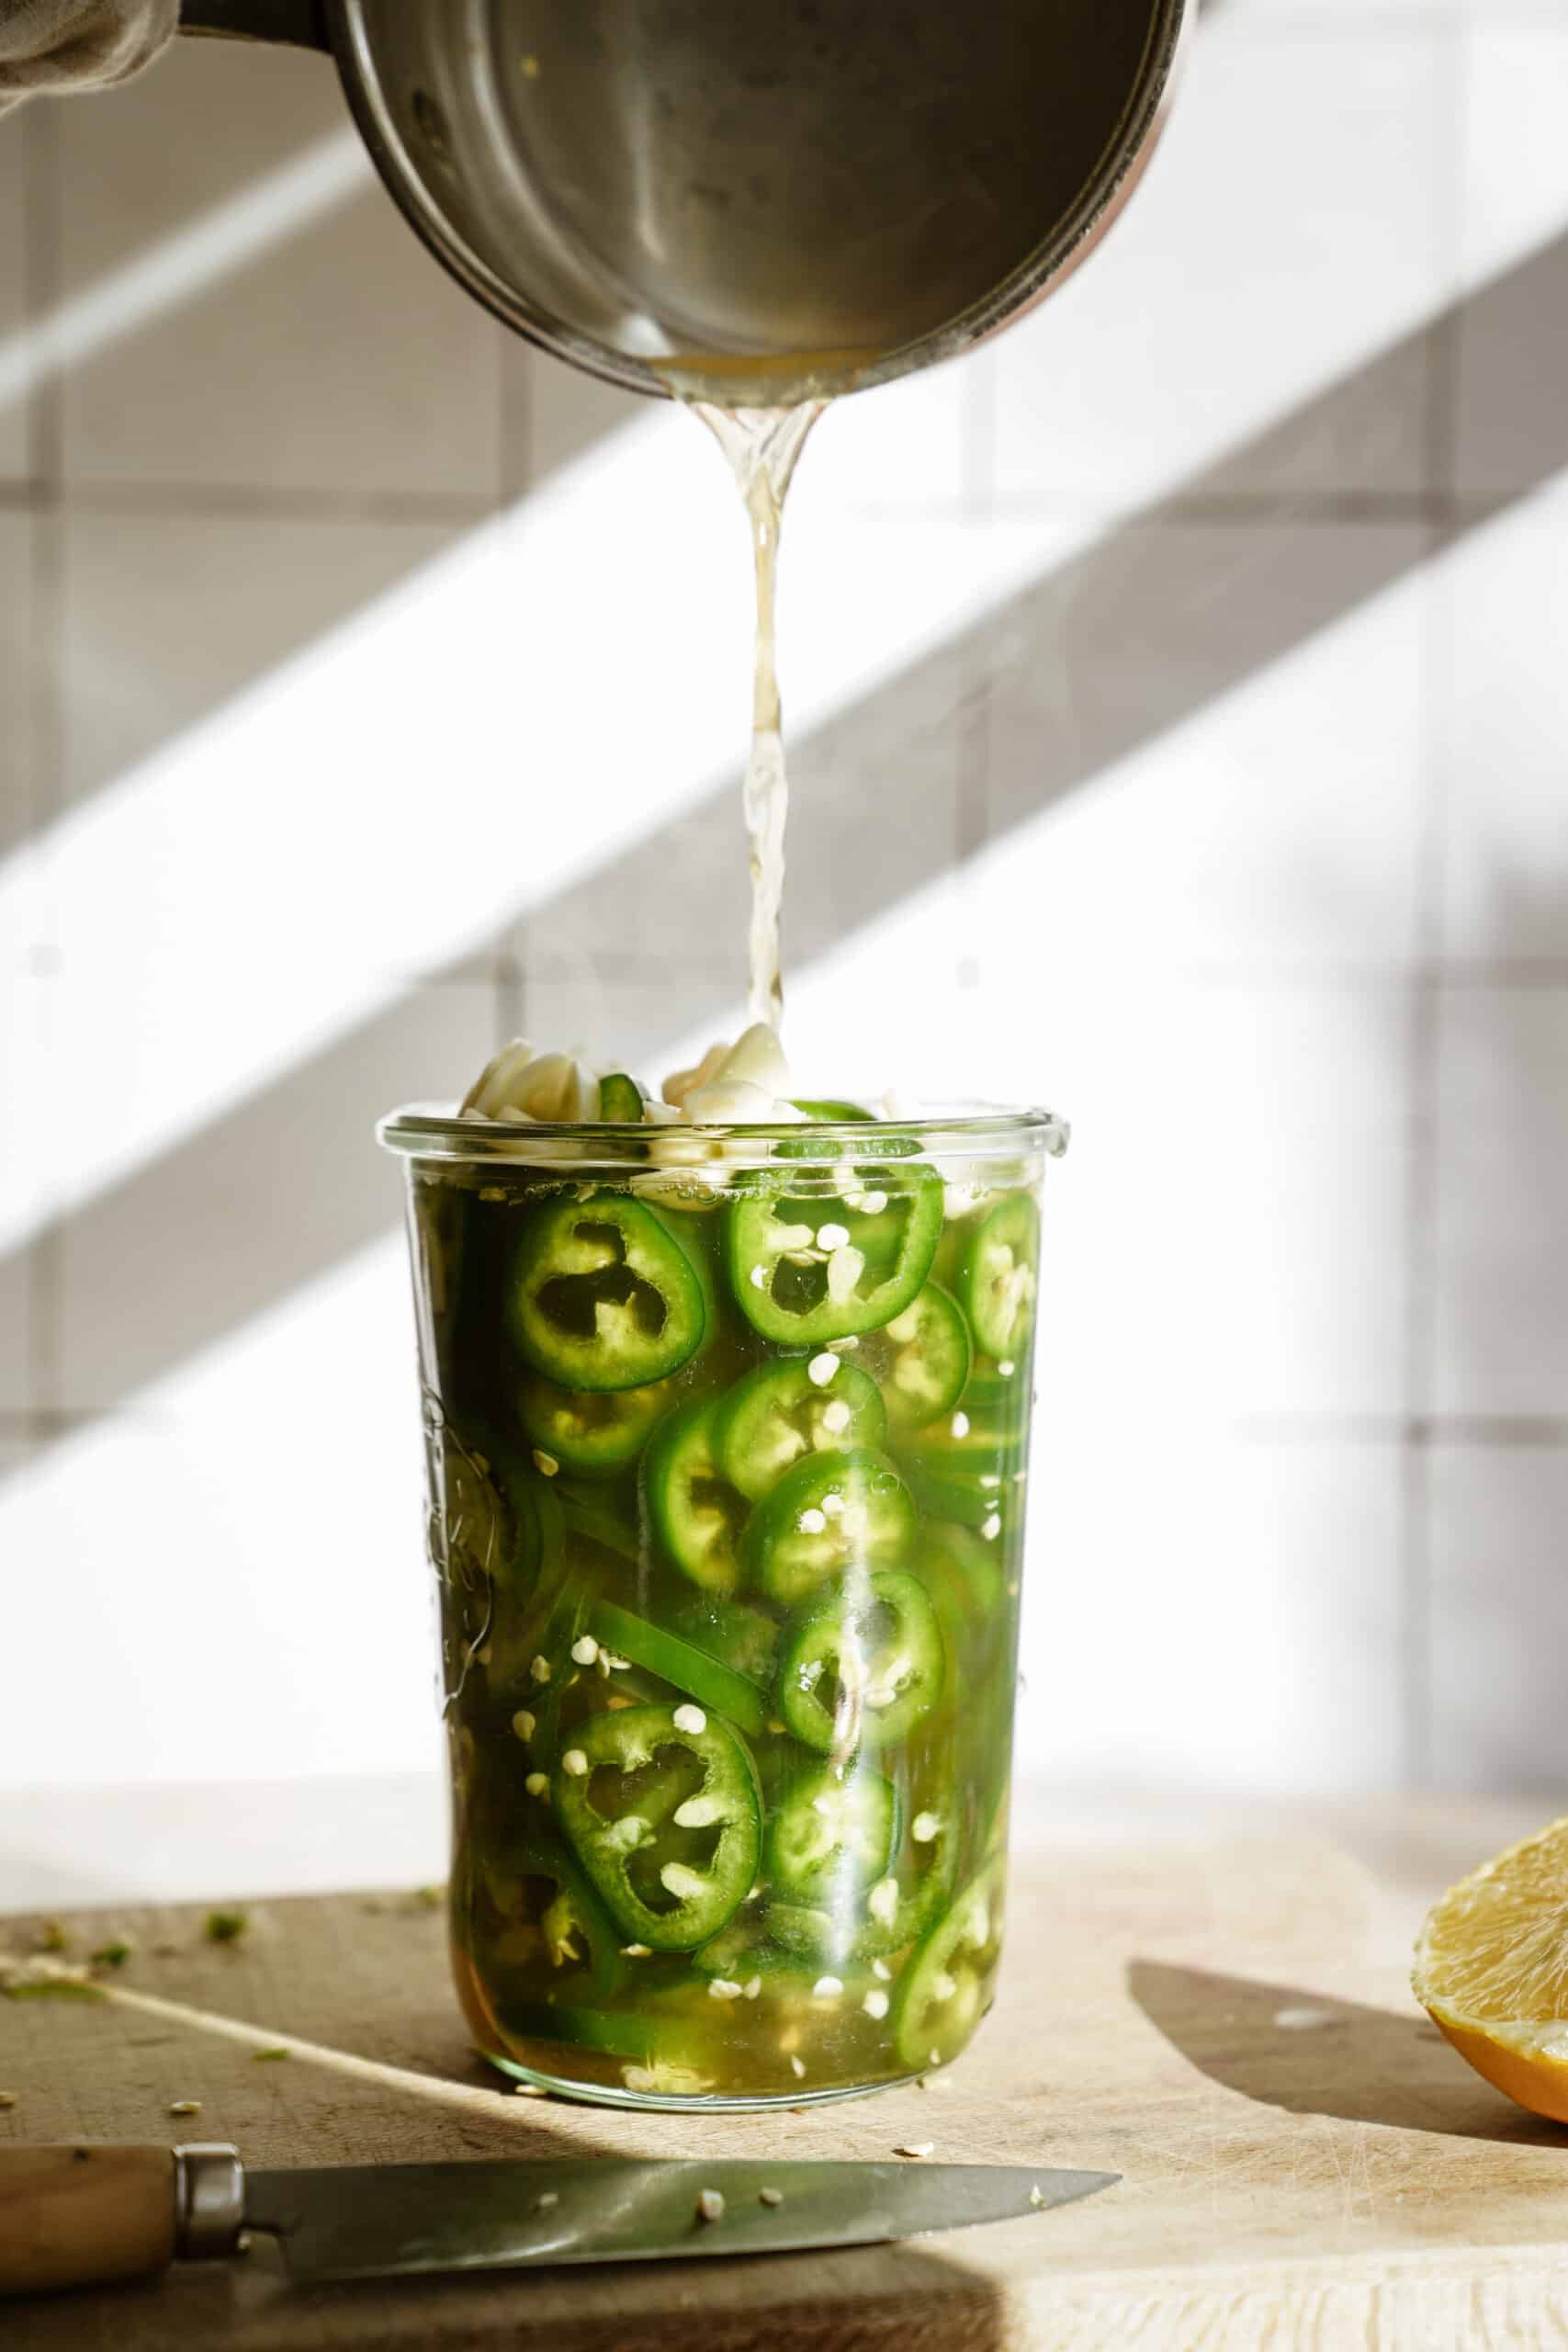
725,1435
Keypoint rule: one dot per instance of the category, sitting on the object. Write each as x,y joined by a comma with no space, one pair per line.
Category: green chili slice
927,1357
593,1431
830,1829
602,1296
832,1511
682,1664
998,1276
945,1990
620,1100
862,1664
696,1515
810,1266
778,1413
662,1809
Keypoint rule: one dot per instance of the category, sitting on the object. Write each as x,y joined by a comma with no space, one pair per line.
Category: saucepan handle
81,2216
301,24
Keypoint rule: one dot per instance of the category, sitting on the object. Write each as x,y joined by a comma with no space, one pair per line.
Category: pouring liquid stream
763,445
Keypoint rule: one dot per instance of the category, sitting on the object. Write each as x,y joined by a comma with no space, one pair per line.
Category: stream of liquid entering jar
763,445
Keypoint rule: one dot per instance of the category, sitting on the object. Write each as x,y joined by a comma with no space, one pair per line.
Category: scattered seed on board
769,2196
710,2205
529,2090
185,2106
915,2148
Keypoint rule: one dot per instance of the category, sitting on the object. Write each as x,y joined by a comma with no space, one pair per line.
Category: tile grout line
972,777
42,267
515,409
1423,1170
239,501
1240,509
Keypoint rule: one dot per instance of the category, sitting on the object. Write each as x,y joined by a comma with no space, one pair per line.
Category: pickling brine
727,1465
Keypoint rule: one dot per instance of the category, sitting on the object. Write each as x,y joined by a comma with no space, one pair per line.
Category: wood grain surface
1219,2013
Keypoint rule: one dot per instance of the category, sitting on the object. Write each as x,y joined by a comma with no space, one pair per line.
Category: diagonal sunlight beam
166,1233
221,241
555,687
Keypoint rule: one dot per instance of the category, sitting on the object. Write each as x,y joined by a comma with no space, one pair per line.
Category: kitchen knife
78,2215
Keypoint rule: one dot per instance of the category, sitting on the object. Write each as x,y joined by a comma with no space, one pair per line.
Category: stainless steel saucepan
764,199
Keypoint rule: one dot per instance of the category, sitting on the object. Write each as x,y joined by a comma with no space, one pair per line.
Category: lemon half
1492,1969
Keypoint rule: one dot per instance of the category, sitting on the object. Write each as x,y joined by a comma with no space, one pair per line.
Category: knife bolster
209,2201
80,2216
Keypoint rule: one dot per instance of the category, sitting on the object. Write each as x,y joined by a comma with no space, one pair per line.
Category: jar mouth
979,1130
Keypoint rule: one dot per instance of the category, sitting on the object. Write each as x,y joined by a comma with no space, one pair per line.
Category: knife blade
387,2221
88,2214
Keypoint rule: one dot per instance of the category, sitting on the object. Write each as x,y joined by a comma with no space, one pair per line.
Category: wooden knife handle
78,2216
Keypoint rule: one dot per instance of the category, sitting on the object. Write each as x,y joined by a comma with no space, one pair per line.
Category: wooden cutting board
1223,2019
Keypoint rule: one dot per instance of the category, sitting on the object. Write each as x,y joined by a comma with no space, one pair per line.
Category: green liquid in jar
729,1672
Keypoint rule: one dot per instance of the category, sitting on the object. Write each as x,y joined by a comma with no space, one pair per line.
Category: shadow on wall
167,1231
248,401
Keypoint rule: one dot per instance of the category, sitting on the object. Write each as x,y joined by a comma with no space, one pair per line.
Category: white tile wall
14,224
24,1199
1502,700
166,621
1227,1225
1499,1617
339,359
1211,1615
1501,1278
17,645
1508,400
1265,826
254,1204
1290,229
25,938
257,1614
1233,828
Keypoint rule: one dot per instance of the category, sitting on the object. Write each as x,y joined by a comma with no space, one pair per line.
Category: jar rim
436,1131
